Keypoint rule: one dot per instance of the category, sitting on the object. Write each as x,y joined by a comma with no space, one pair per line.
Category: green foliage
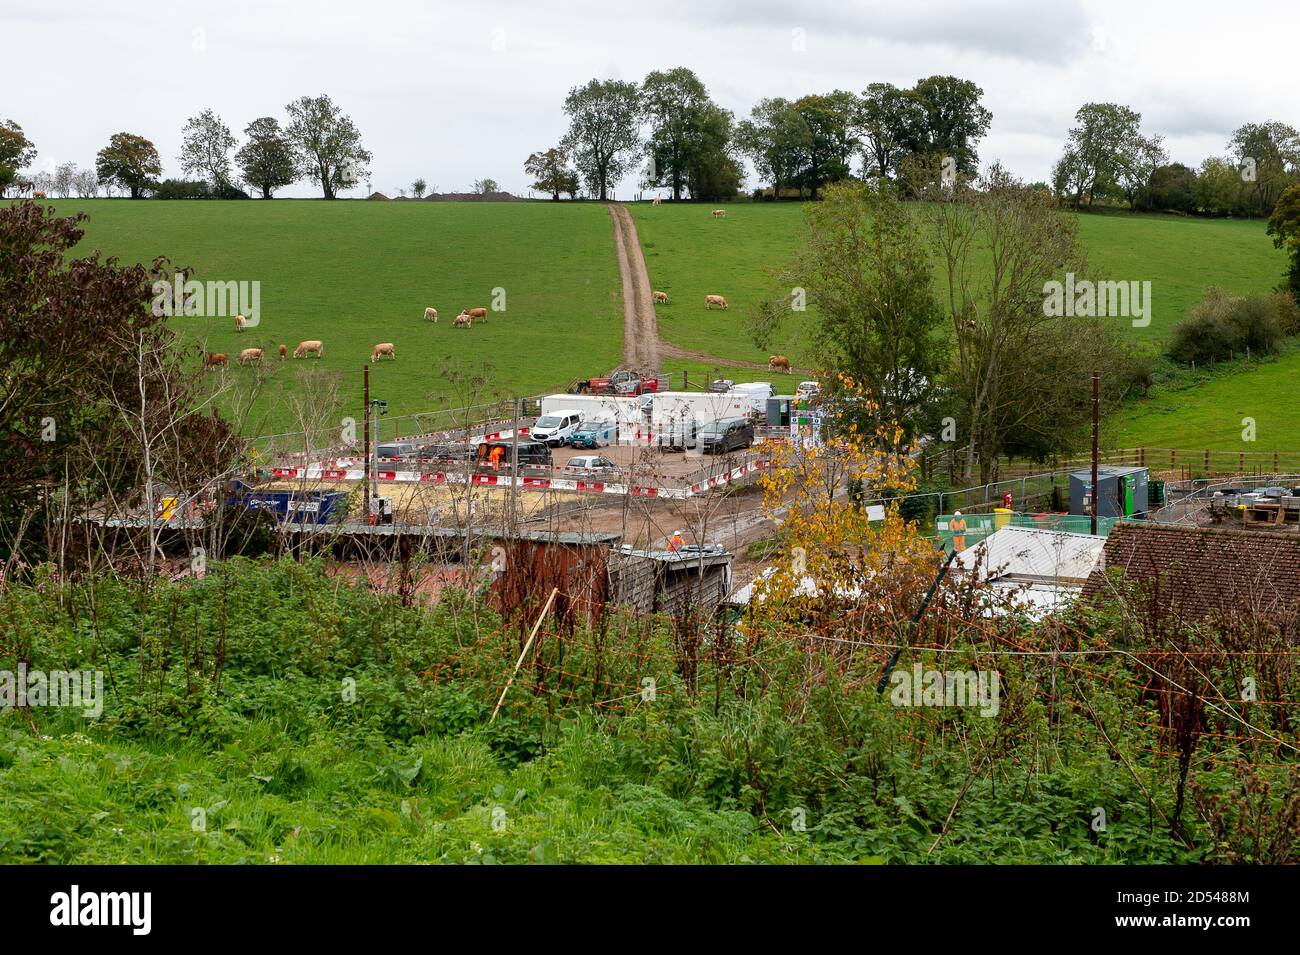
1222,326
302,721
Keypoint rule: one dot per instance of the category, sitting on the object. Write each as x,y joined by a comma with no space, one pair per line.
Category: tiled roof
1201,572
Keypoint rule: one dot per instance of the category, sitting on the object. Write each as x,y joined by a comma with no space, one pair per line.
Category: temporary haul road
643,347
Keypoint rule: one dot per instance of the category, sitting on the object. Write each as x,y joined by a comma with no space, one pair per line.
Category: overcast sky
456,91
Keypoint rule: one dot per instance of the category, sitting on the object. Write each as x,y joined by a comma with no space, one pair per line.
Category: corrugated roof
1031,554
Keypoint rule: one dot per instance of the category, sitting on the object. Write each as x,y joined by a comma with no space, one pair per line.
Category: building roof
1032,554
1203,571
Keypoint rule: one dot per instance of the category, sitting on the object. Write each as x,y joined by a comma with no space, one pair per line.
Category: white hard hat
956,513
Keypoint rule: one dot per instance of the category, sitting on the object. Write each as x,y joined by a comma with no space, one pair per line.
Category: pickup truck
622,383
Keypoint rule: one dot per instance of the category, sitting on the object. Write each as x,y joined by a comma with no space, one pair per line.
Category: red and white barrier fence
528,483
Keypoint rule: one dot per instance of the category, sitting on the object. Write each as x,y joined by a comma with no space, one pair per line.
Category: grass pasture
356,273
690,254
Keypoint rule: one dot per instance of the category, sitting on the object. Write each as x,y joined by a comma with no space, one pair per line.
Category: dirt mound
472,197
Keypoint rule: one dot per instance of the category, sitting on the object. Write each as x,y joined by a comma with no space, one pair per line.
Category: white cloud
434,99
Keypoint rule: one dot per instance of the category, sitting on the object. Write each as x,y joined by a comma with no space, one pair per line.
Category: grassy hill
690,254
356,273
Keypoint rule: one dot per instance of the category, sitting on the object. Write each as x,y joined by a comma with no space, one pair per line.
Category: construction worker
495,457
958,527
676,542
1006,501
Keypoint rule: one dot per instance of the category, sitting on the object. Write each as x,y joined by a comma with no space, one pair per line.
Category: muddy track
640,327
643,348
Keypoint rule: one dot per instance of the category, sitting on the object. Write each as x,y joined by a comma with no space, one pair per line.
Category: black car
726,434
531,454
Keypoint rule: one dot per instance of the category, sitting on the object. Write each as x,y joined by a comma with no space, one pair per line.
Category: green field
356,273
689,254
1209,414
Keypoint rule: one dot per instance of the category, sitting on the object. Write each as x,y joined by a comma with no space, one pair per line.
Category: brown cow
479,313
711,300
431,314
462,321
283,351
240,323
250,355
719,213
312,346
383,348
778,361
215,359
661,296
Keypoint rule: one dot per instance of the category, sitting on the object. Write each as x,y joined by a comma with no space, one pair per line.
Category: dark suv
531,454
726,434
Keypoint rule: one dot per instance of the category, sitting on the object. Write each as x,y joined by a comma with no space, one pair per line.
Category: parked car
531,454
594,434
395,451
727,434
593,464
625,382
556,427
719,386
808,390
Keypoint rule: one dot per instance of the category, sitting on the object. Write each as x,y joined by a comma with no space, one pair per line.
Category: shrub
1221,327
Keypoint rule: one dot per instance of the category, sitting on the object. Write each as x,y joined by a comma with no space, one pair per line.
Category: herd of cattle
314,346
252,356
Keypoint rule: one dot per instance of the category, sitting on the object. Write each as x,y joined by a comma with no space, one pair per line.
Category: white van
556,427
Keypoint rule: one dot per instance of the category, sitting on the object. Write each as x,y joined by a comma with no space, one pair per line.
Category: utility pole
514,471
1096,415
365,397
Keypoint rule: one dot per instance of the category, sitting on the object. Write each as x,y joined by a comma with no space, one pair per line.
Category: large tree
952,120
266,160
886,122
328,144
1019,372
1284,227
604,120
777,140
1106,155
206,143
829,119
864,268
551,172
16,151
688,132
129,161
1268,154
712,172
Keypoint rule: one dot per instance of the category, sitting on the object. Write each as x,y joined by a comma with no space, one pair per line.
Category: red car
622,383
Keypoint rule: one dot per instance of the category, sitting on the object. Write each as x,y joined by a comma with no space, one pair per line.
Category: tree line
1109,160
318,142
670,131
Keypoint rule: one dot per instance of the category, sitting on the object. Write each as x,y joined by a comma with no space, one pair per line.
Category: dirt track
643,349
640,327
